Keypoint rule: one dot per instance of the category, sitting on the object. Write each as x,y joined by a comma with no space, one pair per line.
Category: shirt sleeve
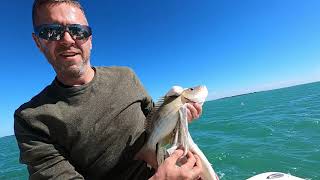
147,103
44,160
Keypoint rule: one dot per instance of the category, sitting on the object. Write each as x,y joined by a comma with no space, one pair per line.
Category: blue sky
231,46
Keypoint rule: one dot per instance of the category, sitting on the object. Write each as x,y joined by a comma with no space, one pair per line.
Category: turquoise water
9,160
276,130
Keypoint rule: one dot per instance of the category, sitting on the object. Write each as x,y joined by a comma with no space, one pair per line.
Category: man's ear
38,43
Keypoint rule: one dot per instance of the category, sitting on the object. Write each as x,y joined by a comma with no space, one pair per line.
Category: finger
197,169
198,161
193,112
198,107
175,156
190,162
195,175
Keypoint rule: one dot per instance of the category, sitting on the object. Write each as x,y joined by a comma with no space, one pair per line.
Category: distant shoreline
6,136
254,92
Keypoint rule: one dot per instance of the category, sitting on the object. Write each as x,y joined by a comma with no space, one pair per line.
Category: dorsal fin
148,122
174,92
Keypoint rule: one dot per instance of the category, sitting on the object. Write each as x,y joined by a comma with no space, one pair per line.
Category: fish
167,128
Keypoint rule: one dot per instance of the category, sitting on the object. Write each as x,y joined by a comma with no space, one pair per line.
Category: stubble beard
70,69
74,70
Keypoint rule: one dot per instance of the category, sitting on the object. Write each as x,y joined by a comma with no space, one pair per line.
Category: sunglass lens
79,32
51,33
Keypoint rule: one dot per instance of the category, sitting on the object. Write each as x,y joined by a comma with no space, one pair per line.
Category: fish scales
167,124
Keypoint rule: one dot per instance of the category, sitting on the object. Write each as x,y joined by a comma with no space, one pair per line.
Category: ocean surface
277,130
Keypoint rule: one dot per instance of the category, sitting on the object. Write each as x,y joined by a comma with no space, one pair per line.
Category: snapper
167,128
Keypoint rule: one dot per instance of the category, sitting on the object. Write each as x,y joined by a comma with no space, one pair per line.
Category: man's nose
67,38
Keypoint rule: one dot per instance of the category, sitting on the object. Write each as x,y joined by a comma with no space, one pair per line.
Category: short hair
38,3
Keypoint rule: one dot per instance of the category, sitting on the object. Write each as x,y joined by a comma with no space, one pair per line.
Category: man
89,122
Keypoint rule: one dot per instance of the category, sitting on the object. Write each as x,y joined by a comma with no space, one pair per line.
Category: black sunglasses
54,32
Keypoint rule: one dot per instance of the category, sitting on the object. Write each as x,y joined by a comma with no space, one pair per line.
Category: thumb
176,155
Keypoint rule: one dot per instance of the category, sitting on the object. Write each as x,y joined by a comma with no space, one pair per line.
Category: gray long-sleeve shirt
90,131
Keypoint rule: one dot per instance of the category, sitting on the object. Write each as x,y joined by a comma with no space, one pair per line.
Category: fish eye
191,89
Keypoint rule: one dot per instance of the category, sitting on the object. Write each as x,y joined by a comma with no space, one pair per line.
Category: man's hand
189,170
194,111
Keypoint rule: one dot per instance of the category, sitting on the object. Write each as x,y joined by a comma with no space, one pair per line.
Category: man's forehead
61,13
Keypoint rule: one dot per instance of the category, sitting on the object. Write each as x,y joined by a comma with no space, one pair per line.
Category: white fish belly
163,127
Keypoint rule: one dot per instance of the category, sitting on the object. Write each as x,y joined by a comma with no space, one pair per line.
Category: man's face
68,57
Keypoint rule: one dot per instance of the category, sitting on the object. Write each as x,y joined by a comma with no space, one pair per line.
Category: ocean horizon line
248,92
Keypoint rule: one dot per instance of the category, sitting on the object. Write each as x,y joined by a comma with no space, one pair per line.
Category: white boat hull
274,176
